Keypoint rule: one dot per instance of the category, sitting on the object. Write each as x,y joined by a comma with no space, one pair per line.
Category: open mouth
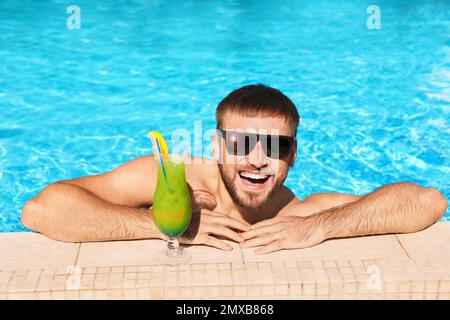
253,180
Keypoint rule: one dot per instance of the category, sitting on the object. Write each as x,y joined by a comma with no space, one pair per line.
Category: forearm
70,213
395,208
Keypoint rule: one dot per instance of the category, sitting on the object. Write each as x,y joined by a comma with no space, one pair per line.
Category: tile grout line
242,254
78,254
403,248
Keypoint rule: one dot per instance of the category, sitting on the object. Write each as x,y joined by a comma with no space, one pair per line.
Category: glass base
170,258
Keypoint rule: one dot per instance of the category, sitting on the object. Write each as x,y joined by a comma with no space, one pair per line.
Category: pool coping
395,266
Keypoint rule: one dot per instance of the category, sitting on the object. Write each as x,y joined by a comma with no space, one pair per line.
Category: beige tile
172,292
86,294
431,287
205,254
14,296
129,294
117,269
58,295
131,269
213,292
46,295
342,250
142,283
14,287
142,253
186,292
104,270
199,292
431,243
89,270
143,293
430,296
281,290
444,296
144,269
444,286
417,296
226,292
114,294
28,250
157,293
295,290
6,274
100,294
119,253
336,269
309,289
27,296
240,291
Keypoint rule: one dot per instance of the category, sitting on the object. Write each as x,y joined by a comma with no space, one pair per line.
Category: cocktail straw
158,154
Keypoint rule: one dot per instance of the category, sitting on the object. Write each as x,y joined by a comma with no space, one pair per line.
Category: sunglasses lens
277,147
285,147
241,144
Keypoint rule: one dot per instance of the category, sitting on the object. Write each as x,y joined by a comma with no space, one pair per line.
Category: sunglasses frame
290,139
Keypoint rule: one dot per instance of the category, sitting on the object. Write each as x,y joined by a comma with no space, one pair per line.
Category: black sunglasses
242,143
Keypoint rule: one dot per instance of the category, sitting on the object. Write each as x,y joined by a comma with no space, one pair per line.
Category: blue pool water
375,104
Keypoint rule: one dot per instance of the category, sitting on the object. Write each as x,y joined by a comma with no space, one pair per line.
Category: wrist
320,223
146,225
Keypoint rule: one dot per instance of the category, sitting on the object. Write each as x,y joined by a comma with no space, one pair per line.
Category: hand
284,233
206,226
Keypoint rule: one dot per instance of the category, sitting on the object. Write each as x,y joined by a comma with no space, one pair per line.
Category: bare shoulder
126,184
318,202
201,173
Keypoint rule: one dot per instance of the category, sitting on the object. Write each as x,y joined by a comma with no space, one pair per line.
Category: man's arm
395,208
97,208
107,207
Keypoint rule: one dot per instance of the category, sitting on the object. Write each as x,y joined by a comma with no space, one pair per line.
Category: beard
249,200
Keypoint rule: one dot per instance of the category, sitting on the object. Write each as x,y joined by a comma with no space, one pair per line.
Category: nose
257,157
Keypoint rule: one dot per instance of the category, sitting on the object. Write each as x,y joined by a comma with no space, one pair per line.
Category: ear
293,154
215,146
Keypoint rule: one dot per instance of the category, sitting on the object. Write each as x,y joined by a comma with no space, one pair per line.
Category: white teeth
252,175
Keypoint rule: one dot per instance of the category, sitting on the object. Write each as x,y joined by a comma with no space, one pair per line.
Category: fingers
208,240
271,247
264,223
253,233
219,230
233,223
258,241
224,220
216,243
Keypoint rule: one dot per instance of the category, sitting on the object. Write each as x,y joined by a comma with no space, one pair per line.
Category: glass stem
173,247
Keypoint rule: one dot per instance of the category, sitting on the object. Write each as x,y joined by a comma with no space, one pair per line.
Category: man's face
252,180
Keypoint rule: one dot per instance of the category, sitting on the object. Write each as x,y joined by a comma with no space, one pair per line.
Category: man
238,196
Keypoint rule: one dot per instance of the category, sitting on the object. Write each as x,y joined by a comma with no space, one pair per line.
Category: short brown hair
258,99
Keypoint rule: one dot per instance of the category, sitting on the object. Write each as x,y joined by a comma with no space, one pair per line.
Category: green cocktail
172,205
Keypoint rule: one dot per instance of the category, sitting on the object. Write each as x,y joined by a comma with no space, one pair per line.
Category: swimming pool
375,104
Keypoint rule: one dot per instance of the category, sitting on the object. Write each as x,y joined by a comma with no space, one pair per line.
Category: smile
253,180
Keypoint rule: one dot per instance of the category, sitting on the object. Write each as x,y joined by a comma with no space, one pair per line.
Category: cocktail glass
172,207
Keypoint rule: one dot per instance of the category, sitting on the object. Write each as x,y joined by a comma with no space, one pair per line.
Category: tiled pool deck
403,266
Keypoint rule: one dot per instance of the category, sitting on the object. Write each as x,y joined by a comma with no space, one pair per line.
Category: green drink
172,202
172,206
